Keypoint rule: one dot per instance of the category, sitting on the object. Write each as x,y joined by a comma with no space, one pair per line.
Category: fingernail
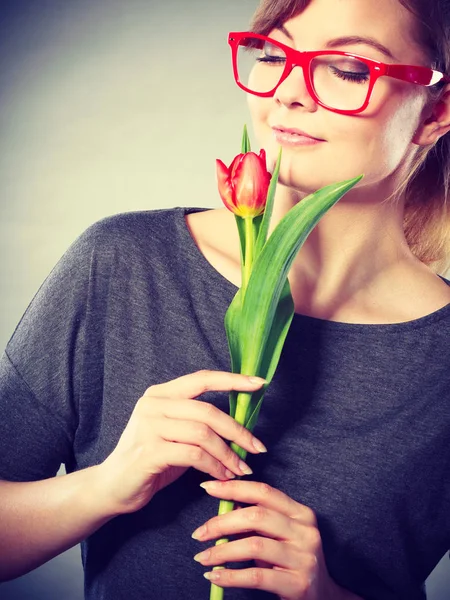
198,533
202,556
229,474
206,485
209,485
258,445
211,576
259,380
245,468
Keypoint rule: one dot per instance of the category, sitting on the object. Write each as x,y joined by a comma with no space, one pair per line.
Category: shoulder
136,227
122,247
129,238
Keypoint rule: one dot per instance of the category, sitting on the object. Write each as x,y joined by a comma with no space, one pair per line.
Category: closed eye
350,75
271,59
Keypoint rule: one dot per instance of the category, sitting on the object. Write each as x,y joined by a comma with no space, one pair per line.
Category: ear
434,125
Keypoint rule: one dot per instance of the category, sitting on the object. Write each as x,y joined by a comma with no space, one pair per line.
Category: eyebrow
349,40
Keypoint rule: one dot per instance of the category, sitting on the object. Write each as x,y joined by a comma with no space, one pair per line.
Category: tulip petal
236,164
251,181
224,185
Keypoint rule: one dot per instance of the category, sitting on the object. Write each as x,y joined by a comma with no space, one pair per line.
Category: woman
355,500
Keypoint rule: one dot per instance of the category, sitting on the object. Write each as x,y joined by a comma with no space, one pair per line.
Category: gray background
101,103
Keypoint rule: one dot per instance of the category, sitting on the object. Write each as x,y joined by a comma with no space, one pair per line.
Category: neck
355,246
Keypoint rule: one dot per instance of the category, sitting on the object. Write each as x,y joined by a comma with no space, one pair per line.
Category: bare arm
41,519
167,433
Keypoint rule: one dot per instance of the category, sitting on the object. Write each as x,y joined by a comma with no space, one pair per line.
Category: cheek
389,132
373,143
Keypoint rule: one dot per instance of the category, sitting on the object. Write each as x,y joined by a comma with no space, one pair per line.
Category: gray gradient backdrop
99,114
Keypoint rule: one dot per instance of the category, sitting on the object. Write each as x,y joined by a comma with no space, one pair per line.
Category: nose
294,92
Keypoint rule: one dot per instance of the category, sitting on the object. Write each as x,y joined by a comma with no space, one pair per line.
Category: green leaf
271,268
245,146
262,236
272,351
277,335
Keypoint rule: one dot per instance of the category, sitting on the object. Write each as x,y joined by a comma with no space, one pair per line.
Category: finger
185,455
195,384
203,412
261,494
259,519
272,552
200,434
287,584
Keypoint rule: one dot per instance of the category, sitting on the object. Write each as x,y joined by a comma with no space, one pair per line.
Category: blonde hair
426,188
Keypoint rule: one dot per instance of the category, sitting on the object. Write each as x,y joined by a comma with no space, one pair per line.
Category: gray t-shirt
356,420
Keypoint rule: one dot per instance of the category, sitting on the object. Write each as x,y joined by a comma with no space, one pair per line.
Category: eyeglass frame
295,58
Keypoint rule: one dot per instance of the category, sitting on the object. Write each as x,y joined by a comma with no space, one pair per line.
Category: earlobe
437,124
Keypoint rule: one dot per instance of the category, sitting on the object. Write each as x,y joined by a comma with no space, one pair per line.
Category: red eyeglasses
342,82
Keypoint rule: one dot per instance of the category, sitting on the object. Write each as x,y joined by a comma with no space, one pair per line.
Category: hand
169,431
287,546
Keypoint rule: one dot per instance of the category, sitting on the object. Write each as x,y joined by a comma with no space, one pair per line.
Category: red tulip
244,184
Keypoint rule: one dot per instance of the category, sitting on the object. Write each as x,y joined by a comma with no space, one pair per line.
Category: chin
306,180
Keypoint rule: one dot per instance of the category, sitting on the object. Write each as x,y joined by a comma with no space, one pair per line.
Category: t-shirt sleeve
33,441
40,371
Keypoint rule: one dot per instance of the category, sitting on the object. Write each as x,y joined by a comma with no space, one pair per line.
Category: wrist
121,491
99,492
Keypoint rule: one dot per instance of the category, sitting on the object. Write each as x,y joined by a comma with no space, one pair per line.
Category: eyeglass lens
340,82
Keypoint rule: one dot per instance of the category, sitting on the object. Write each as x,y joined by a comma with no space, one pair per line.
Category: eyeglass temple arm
419,75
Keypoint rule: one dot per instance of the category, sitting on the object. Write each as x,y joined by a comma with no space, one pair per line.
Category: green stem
243,399
249,251
226,506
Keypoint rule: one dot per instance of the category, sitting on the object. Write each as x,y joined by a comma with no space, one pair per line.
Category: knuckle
302,586
256,577
195,455
314,539
203,373
265,490
256,546
311,565
143,406
256,513
308,515
153,390
140,404
202,432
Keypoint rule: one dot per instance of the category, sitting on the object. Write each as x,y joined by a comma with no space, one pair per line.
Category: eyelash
350,76
271,59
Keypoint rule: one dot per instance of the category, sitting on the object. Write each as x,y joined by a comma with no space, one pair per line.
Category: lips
280,130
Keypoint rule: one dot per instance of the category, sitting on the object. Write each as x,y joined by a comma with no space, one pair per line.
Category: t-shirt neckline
299,319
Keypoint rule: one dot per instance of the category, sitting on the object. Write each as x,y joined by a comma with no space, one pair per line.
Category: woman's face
374,142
